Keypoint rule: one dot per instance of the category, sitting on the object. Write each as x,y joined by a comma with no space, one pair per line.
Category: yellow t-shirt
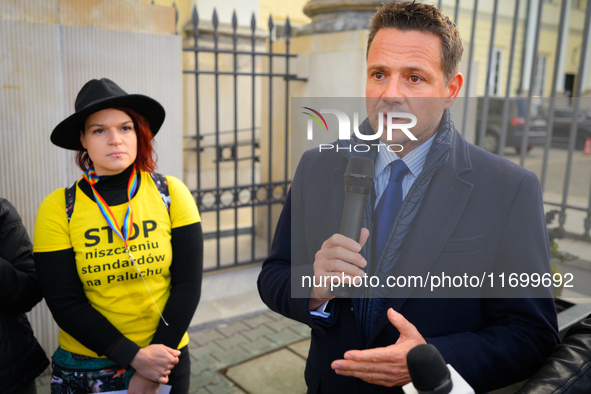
111,283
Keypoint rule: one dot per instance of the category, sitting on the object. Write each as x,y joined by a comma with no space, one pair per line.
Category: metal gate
236,185
235,198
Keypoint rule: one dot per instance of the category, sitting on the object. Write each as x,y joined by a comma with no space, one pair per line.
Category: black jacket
479,213
21,357
567,370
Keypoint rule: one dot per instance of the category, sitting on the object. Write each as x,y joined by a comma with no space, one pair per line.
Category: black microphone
358,183
430,374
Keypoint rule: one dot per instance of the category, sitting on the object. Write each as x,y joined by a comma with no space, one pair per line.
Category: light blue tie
387,209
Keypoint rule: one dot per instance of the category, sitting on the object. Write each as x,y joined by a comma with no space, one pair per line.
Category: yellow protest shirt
111,283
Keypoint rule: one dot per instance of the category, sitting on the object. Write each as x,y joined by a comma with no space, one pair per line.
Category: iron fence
238,147
559,55
252,193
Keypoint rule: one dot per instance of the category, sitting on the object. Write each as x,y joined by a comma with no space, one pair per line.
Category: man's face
404,74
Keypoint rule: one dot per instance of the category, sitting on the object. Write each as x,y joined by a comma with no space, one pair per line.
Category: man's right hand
154,362
339,255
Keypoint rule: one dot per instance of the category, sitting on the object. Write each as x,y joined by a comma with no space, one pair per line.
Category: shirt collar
415,160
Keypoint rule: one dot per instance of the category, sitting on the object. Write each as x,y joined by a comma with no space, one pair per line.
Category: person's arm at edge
566,368
19,289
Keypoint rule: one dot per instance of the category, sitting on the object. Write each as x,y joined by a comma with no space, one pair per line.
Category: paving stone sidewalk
260,354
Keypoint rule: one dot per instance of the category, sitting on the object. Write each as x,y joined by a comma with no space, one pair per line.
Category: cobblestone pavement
215,349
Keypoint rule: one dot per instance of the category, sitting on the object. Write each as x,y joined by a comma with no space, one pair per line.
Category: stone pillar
330,16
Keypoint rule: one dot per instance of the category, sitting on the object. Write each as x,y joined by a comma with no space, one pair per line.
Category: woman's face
111,141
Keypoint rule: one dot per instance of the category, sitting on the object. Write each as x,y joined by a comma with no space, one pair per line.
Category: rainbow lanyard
91,177
125,232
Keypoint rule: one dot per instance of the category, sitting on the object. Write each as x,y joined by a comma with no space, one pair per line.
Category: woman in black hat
119,254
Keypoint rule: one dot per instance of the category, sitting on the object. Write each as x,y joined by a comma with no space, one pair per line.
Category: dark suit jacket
479,209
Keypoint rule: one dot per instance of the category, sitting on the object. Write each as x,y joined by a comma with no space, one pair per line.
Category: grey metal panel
30,104
30,97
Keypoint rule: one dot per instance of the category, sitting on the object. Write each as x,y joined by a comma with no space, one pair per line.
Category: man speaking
438,204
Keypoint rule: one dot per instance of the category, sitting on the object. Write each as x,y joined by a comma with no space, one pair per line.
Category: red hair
146,154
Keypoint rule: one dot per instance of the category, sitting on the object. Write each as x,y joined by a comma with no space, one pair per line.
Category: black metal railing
258,180
212,196
532,21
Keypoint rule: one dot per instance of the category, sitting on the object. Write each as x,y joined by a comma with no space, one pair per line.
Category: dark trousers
31,388
180,376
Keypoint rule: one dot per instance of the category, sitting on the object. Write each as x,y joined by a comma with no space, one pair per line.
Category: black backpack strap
70,200
159,180
162,186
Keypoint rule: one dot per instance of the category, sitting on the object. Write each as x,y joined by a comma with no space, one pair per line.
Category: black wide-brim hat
97,95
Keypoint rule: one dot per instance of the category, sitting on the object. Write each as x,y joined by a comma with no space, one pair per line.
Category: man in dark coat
463,210
21,357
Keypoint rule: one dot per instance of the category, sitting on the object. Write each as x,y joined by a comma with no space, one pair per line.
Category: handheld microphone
430,374
358,183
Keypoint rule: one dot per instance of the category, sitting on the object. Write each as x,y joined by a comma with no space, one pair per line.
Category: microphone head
428,371
359,172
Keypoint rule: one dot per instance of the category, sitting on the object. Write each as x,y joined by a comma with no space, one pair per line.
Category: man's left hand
384,366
